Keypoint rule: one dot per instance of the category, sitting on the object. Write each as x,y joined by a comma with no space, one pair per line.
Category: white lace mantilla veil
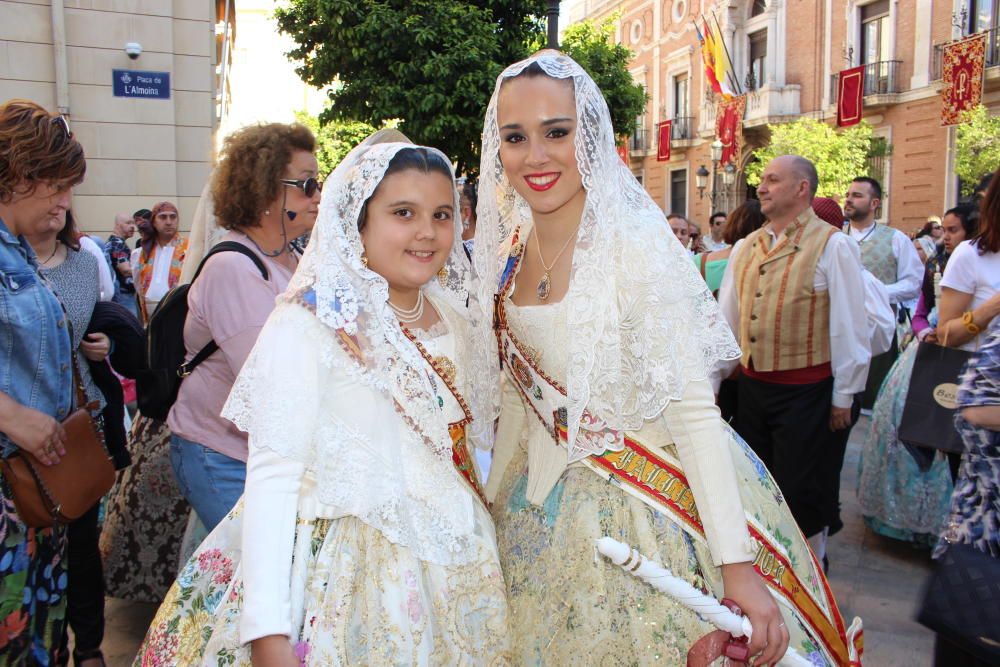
408,490
642,322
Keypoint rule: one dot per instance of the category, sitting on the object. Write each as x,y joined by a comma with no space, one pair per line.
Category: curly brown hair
36,148
251,166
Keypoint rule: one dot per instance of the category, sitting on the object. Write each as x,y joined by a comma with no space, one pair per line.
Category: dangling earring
443,275
364,259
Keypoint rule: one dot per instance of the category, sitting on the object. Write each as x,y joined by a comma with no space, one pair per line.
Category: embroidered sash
659,481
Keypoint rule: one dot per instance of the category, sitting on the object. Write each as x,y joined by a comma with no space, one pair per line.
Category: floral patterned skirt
146,517
897,498
32,588
364,601
568,606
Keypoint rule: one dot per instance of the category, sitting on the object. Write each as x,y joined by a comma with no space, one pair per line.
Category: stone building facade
789,52
62,54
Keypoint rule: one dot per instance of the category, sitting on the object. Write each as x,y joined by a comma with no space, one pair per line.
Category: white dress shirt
711,246
104,279
909,268
838,271
159,283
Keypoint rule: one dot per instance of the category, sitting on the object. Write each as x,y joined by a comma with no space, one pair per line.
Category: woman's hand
95,346
38,434
745,587
273,651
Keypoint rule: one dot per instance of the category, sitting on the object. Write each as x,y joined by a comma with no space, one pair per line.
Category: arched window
758,8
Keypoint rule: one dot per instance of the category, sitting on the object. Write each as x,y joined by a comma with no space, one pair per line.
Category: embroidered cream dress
284,562
362,536
608,426
567,607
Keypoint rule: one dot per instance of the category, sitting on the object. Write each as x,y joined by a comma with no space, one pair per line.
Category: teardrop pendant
544,286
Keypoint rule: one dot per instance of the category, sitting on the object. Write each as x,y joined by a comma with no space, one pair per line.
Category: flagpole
732,67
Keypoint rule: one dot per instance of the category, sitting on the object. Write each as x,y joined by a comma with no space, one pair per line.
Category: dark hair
989,213
875,185
716,215
745,219
69,234
677,216
250,170
926,230
36,147
471,192
969,217
143,213
419,158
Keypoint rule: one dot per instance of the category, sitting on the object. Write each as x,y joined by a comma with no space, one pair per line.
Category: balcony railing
639,141
682,129
881,78
992,53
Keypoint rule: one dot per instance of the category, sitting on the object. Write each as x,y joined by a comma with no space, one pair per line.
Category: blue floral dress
975,504
898,499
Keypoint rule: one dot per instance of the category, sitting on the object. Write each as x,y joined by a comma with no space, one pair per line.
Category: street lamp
701,179
553,16
729,175
716,149
728,179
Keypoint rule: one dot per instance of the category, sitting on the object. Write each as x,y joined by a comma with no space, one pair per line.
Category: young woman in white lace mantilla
362,537
607,337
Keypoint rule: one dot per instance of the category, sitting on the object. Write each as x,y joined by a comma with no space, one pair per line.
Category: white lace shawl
401,481
642,323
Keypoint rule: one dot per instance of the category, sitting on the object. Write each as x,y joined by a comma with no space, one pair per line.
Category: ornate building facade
787,55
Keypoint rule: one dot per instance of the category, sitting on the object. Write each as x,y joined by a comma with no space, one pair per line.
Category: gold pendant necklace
544,287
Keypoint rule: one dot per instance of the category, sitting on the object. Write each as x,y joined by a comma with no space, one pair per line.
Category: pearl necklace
413,314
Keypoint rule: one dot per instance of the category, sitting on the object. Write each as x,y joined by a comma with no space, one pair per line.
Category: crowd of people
403,397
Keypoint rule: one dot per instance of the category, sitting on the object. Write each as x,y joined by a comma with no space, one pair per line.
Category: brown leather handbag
46,495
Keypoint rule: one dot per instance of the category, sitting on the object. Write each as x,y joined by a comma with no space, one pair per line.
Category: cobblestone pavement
873,577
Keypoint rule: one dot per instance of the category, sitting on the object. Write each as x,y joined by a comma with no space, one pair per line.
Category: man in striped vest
794,295
889,254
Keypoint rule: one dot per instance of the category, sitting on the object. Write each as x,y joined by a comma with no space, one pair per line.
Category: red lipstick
554,175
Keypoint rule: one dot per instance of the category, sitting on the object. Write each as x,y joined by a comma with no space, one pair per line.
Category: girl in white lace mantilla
608,337
362,537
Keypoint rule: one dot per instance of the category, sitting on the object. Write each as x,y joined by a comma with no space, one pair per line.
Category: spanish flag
713,53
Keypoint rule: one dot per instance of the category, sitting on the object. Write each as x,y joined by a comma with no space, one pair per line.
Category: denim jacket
35,350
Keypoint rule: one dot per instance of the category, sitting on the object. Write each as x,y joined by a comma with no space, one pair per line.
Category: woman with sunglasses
266,193
40,162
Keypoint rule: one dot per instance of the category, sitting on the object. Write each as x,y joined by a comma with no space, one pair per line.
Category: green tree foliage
977,147
336,138
430,63
839,156
592,45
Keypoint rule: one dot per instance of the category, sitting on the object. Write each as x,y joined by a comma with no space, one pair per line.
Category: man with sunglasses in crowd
716,225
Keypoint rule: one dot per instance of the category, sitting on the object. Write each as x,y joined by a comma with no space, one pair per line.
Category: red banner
850,96
663,140
962,75
623,151
729,129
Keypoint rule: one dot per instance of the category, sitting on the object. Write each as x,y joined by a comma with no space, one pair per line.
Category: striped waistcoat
784,322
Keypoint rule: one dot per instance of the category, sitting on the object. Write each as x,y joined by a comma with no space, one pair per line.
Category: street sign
146,85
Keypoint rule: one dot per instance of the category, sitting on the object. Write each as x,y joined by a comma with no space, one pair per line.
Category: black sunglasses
309,186
64,124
